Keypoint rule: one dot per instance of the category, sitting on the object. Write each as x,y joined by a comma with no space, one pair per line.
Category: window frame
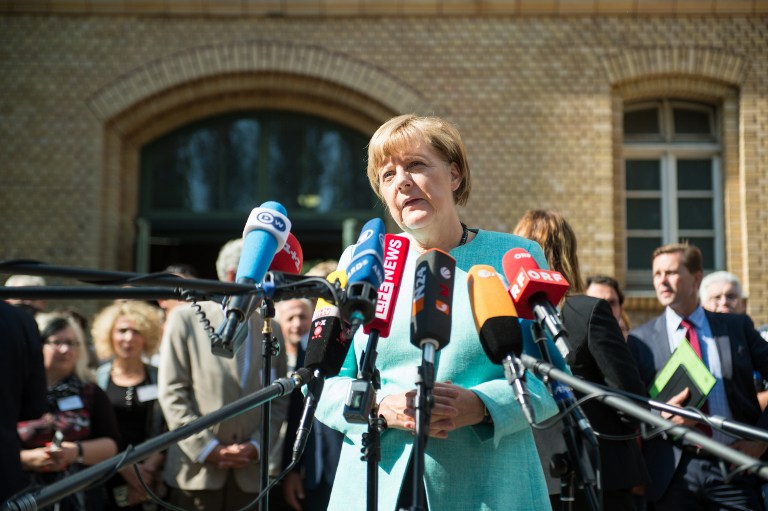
667,148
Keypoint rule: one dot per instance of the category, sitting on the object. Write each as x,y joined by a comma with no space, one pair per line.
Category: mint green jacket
482,467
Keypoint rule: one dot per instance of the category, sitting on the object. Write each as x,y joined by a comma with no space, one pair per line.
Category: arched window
672,175
203,179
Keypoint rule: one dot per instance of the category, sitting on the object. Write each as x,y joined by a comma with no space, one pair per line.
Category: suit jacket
741,350
193,382
600,355
321,453
22,390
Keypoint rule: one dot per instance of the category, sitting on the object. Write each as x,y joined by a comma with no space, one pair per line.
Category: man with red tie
732,349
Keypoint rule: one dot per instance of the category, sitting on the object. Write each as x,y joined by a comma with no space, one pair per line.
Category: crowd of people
77,392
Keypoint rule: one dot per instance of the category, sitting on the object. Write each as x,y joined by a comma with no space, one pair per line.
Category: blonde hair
550,230
405,130
323,268
50,323
146,319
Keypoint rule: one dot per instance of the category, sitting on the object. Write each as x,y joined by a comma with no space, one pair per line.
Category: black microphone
499,329
264,235
432,301
327,348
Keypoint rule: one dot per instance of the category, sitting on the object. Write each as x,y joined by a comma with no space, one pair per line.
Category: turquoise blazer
483,467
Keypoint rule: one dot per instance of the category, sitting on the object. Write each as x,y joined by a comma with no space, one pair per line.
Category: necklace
464,234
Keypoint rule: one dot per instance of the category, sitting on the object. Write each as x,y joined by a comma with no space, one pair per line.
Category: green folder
683,369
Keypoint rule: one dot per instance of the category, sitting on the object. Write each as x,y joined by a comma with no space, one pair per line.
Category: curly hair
147,320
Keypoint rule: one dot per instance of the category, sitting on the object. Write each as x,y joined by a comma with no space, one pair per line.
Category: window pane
233,162
642,122
695,213
242,179
694,174
639,252
692,122
707,247
643,214
643,174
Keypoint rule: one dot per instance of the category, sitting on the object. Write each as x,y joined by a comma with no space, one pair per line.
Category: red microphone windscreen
290,258
395,254
526,280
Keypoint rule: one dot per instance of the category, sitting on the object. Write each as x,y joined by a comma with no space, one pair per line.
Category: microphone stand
682,435
269,348
578,463
371,439
52,493
425,382
361,408
726,425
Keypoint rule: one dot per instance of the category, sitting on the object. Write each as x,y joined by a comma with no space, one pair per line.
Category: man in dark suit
22,390
308,486
732,349
600,355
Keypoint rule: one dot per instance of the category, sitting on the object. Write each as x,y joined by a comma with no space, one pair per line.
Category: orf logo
267,218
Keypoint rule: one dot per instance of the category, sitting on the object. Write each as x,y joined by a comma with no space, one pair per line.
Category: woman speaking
481,454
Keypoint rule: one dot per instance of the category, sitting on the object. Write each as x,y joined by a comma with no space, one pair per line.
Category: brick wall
536,98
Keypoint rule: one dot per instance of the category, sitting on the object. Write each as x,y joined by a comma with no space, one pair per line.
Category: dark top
600,355
133,416
91,417
22,390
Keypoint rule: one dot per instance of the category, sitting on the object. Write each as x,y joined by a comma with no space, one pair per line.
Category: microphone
326,350
533,291
432,300
395,254
327,345
264,235
564,398
499,330
365,273
290,258
362,390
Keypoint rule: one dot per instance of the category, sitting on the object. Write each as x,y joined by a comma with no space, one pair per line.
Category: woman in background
80,427
598,354
128,332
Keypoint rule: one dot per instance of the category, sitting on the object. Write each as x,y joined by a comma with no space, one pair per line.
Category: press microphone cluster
499,329
362,390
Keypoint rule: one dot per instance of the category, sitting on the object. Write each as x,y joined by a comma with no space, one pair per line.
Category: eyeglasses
730,297
58,343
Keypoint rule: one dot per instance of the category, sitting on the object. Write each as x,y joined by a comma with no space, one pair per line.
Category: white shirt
718,400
